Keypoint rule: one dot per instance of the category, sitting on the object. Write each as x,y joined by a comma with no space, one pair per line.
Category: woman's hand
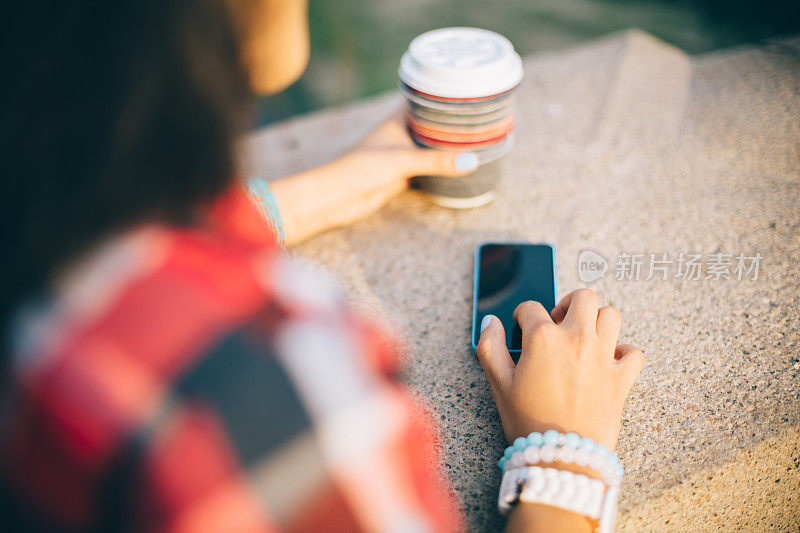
361,181
571,375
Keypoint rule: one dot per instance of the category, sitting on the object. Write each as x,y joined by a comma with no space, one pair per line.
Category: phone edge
475,271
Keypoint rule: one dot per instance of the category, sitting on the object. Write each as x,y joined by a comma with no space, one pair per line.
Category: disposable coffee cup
459,87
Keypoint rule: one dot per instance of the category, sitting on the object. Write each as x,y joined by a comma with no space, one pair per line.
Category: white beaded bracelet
559,488
565,448
599,461
524,481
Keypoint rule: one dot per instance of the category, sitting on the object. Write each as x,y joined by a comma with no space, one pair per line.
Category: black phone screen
507,275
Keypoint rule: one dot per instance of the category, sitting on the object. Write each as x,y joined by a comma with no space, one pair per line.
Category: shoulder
93,360
163,308
224,360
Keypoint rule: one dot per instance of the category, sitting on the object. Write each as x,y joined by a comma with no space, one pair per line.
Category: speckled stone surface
625,145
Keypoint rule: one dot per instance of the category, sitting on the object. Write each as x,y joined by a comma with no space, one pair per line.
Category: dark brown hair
111,113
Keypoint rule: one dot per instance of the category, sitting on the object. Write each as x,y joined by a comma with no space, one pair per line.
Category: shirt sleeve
294,422
278,411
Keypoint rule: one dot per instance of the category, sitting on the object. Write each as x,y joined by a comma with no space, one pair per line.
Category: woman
165,366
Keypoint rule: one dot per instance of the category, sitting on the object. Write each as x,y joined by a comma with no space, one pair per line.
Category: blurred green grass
357,44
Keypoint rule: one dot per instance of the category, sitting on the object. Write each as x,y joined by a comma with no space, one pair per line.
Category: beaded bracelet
570,448
268,207
523,481
549,486
559,488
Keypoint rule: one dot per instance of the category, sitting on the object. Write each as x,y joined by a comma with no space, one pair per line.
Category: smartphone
507,274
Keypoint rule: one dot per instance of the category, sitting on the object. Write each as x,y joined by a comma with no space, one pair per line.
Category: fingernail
466,161
485,322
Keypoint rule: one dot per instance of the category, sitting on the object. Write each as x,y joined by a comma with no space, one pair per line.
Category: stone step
625,145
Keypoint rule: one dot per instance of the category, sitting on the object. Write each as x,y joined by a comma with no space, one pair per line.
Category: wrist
562,470
535,517
521,426
313,200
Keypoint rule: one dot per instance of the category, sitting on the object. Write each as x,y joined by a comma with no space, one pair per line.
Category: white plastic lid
461,63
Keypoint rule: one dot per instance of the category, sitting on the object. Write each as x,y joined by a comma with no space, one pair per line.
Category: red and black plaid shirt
196,380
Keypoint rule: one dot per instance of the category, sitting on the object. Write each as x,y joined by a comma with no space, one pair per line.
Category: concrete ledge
626,145
756,491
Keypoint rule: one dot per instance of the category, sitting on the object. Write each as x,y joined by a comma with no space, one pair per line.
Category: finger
493,354
530,314
398,117
537,327
533,320
577,311
392,133
630,360
427,161
609,322
560,310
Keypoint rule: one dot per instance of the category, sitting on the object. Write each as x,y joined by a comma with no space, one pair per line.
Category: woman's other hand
390,146
572,376
361,181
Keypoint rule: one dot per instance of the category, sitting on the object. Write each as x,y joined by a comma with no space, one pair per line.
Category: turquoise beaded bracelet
267,205
568,448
